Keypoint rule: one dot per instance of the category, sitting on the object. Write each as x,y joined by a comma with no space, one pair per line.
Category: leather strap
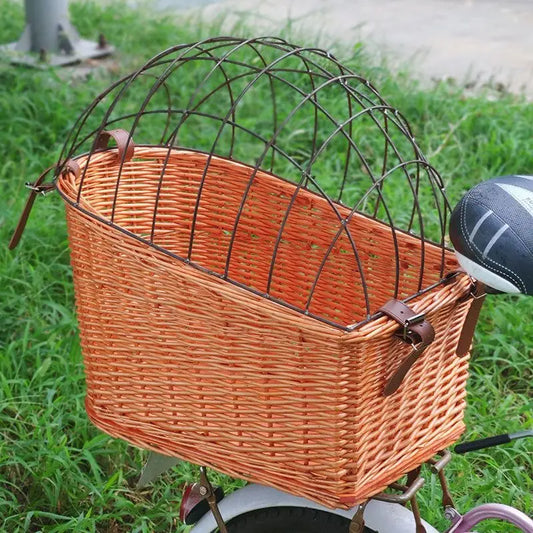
35,189
416,330
125,144
38,187
126,148
478,293
72,166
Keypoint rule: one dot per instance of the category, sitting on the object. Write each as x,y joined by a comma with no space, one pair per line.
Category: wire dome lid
359,202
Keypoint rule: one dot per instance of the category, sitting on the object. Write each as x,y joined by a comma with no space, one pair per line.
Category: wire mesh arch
355,198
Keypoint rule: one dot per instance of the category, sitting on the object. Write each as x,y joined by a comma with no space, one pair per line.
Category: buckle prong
415,319
40,189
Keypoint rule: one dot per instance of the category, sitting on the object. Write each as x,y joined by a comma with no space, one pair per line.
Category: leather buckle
477,295
411,321
43,189
415,330
38,187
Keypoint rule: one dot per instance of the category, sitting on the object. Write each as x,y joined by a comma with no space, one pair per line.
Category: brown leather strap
72,166
416,330
35,189
467,334
125,144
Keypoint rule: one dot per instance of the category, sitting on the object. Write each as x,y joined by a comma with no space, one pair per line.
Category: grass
57,472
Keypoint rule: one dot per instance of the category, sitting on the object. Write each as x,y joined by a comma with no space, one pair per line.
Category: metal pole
46,23
50,34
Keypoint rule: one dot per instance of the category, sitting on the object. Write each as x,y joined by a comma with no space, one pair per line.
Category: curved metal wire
301,82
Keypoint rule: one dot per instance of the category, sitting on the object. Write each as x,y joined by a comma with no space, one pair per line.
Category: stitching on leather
507,272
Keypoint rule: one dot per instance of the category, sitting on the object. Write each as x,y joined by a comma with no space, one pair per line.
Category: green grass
57,472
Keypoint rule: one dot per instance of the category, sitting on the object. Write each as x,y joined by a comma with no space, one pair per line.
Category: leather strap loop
72,166
478,293
416,330
416,327
125,144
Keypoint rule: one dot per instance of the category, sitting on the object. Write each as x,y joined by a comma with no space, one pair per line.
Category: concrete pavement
473,41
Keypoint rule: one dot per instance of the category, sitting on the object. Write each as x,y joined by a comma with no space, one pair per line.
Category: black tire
290,520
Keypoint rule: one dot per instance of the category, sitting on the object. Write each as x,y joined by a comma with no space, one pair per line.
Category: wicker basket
230,314
183,362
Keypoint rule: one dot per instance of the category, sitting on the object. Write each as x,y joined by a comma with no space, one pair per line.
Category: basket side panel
187,364
395,434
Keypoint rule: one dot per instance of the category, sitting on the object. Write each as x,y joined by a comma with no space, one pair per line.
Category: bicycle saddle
491,229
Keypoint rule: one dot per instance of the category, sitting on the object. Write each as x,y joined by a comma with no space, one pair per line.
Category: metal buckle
40,189
477,291
415,319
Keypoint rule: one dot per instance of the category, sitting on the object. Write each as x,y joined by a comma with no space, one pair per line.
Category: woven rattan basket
229,301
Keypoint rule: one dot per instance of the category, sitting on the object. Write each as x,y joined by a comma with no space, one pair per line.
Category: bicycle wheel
290,520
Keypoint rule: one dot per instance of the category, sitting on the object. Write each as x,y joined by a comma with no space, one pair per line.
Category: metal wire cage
235,256
299,114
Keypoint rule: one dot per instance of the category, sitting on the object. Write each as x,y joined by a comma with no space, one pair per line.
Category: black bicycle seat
491,229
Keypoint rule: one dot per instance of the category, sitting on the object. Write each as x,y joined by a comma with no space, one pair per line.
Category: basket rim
61,169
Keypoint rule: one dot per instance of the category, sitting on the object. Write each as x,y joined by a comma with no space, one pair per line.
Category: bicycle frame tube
465,523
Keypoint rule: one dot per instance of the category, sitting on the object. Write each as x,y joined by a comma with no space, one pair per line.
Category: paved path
469,40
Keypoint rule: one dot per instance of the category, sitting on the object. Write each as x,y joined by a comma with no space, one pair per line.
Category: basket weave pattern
191,364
